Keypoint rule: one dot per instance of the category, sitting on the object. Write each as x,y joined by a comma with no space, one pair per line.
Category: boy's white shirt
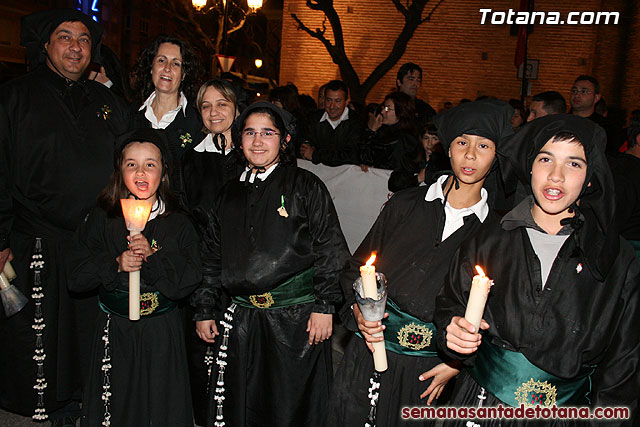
454,218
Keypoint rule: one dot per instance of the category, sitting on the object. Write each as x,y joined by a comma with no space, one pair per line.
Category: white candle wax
134,290
8,271
370,290
477,300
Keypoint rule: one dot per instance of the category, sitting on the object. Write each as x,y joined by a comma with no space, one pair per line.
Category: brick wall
451,47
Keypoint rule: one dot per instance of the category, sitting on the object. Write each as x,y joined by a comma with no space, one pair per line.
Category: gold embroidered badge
148,303
415,337
534,393
262,300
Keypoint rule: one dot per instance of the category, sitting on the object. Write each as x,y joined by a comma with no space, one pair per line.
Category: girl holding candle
138,372
561,320
272,254
415,237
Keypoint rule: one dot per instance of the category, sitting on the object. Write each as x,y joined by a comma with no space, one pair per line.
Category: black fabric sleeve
208,299
90,263
616,381
6,203
452,301
175,269
329,247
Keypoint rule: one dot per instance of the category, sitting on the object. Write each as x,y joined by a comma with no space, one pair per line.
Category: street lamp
258,63
199,4
254,4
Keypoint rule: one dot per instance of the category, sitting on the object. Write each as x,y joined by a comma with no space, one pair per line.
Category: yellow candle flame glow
136,213
371,260
480,271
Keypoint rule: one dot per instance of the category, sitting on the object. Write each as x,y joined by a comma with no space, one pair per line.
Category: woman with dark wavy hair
390,141
166,77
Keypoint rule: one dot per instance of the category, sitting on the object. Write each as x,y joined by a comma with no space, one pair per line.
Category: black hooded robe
149,380
57,145
273,376
585,317
414,279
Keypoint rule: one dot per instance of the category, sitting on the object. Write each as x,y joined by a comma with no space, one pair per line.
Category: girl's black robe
573,323
407,239
149,376
273,376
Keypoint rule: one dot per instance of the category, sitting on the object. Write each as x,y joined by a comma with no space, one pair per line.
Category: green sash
636,247
151,303
510,377
406,334
296,290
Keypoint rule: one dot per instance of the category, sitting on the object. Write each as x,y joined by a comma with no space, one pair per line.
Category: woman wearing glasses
272,253
391,142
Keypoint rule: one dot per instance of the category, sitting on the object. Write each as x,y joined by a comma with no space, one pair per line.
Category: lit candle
370,290
478,298
136,214
368,274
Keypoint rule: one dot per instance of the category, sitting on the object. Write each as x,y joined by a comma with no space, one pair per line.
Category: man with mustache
57,131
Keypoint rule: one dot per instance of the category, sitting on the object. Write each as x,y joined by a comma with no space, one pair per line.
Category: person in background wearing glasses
409,80
391,143
585,94
272,254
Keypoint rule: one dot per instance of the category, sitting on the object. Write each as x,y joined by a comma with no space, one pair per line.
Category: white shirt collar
454,218
157,209
261,176
334,124
208,145
168,118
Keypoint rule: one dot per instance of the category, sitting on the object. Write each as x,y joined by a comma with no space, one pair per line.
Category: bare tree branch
400,7
428,17
412,13
317,34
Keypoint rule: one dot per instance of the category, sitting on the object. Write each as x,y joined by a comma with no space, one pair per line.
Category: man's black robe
56,143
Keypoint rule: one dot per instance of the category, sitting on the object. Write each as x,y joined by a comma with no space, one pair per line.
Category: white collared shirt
157,209
261,176
334,124
208,145
168,118
454,218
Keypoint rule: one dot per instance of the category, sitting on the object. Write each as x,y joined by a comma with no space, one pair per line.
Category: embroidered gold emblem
148,303
262,300
534,393
415,337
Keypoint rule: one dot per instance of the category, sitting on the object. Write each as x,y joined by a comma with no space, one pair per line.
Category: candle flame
371,259
480,271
